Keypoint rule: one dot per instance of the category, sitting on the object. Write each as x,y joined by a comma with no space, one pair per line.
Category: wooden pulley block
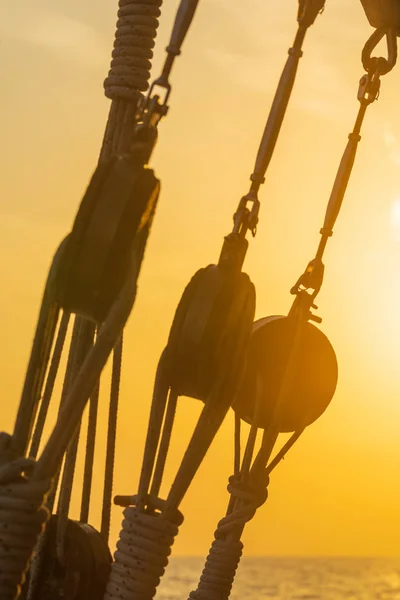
383,13
86,568
215,312
312,382
117,205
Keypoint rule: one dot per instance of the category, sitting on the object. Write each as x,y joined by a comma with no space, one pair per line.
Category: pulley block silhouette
119,202
86,567
314,380
216,307
383,14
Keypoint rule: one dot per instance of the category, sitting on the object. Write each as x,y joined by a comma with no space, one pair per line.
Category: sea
265,578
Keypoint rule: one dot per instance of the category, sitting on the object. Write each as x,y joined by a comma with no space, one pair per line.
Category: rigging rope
221,564
188,357
89,455
129,74
111,440
238,307
219,572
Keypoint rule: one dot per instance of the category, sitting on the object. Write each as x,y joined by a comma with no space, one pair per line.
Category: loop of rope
372,63
134,40
142,553
23,516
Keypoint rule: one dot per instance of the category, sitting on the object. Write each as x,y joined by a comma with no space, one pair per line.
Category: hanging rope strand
89,455
84,343
86,380
164,444
135,573
37,368
48,391
111,439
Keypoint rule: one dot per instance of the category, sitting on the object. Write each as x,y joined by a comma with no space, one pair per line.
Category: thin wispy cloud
268,28
320,82
67,38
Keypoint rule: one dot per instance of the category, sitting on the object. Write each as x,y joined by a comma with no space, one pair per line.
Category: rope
89,457
237,444
78,353
223,559
39,552
22,518
219,572
164,443
48,391
129,71
134,40
111,439
142,551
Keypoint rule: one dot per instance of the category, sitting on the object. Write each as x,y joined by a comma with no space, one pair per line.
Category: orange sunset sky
338,491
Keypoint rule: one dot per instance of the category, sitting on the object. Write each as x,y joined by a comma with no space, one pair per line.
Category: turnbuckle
153,110
307,288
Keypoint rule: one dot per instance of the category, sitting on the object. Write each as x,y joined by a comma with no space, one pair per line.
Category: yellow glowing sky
338,491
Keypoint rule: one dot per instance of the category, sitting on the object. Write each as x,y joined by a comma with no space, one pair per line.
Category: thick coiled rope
223,559
142,552
219,571
22,518
133,49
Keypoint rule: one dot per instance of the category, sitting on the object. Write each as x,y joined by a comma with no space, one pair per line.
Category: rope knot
249,496
253,492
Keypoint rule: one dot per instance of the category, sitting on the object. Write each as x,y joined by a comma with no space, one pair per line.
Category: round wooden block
314,377
84,574
216,308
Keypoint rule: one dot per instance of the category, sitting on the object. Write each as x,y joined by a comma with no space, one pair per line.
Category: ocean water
294,579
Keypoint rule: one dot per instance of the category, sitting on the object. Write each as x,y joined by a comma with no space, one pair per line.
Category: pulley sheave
315,375
84,572
118,203
383,14
216,305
